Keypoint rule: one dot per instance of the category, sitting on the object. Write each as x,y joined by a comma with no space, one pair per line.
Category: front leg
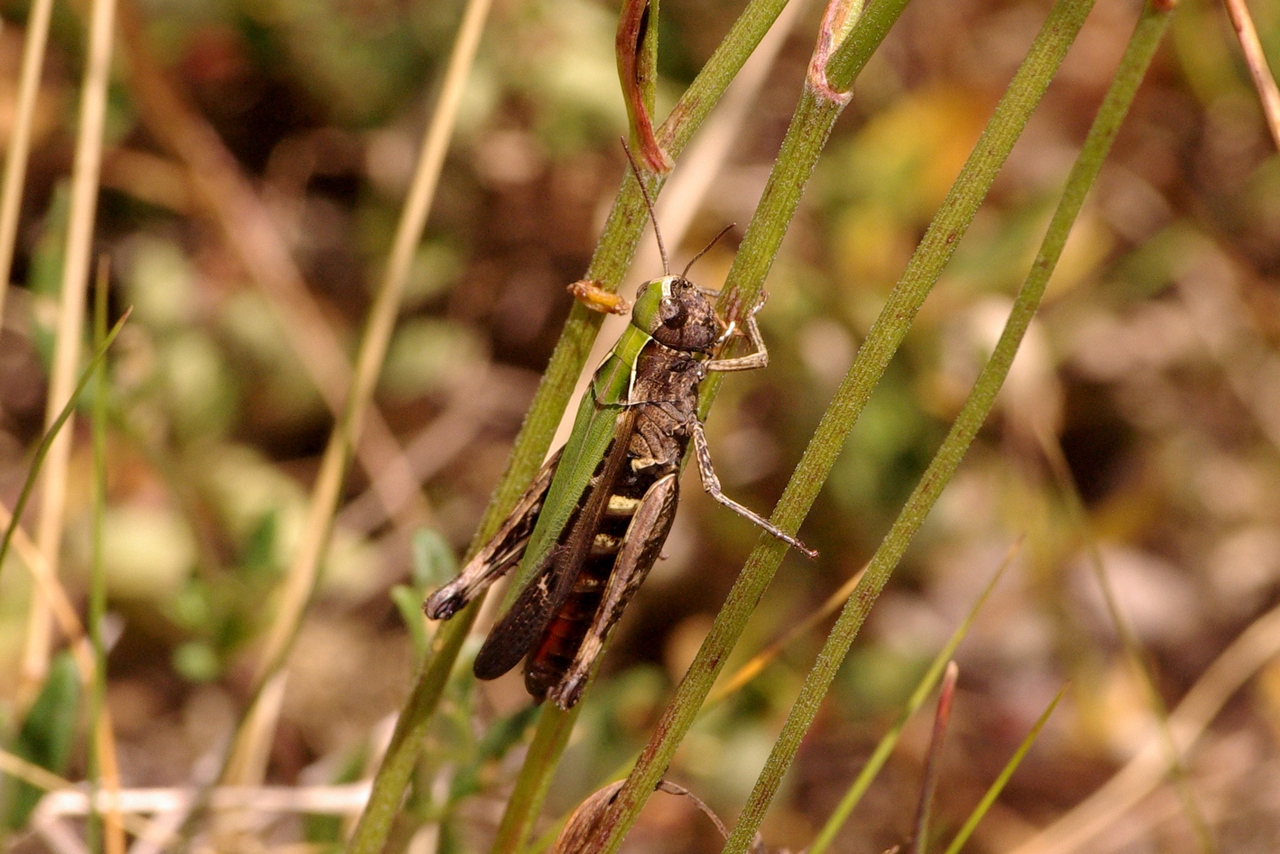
759,355
640,547
711,484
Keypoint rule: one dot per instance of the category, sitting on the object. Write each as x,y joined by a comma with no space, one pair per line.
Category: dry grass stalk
15,164
66,357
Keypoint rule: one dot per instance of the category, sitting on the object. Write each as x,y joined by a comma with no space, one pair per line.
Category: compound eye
672,313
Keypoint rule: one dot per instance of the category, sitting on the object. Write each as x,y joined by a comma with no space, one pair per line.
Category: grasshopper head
677,314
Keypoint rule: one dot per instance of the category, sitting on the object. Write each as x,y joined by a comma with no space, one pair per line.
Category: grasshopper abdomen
554,653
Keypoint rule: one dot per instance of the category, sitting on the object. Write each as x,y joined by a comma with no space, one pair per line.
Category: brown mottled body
664,400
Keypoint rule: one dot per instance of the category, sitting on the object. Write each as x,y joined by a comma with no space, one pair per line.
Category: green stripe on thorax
593,428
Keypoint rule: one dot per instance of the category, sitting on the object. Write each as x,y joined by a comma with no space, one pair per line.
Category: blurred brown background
1153,368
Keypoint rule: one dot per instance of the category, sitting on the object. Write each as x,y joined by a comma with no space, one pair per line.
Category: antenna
653,217
706,249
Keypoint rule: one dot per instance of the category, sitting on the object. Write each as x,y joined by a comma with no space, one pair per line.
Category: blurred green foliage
45,739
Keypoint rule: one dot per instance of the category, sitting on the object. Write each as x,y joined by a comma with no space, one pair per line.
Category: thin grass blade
43,448
998,786
922,691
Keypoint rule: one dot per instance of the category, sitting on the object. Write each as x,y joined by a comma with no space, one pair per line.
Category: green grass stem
613,255
1133,65
555,725
97,577
1059,30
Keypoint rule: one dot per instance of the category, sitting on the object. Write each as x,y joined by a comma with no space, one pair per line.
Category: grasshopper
590,526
